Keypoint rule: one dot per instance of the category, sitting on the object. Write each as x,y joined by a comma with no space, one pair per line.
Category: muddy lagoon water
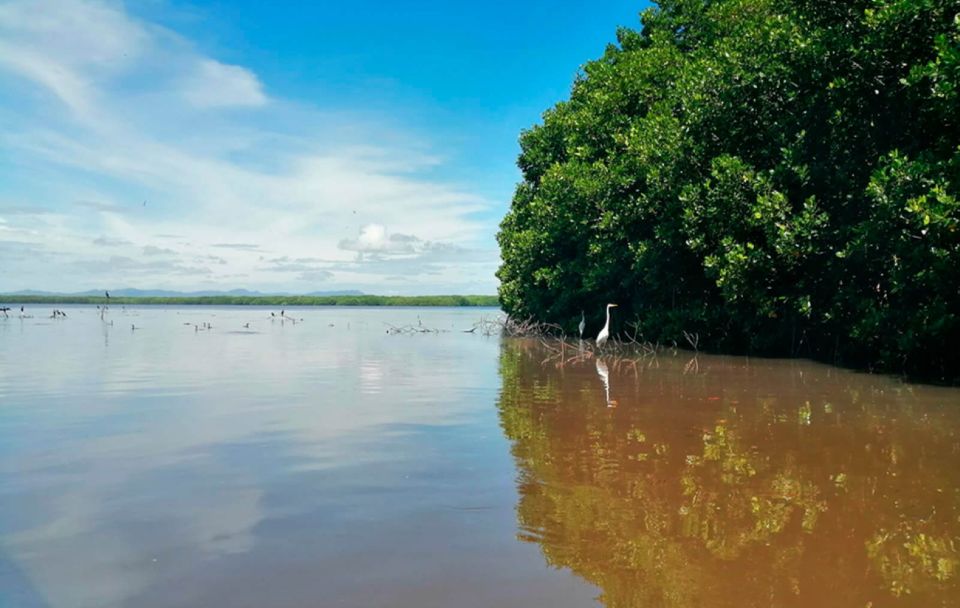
328,462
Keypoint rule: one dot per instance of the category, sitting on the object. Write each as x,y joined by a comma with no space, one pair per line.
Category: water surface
722,481
330,463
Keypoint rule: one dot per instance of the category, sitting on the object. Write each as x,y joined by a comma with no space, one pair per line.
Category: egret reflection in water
604,374
763,483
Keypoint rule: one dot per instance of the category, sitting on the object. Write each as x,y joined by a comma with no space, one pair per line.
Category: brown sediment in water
721,481
301,466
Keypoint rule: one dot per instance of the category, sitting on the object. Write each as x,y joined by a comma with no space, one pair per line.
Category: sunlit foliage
778,176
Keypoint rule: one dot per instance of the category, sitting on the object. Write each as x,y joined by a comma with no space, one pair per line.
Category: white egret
605,332
583,324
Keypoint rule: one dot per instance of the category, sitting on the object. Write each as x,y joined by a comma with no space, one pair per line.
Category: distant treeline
776,176
354,300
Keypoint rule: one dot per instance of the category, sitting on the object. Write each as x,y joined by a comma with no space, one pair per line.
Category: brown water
720,481
329,463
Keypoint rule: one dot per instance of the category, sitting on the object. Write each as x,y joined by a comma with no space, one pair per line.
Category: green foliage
363,300
779,176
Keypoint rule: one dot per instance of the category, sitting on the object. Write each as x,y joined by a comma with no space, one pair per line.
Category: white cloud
150,156
215,84
374,238
68,46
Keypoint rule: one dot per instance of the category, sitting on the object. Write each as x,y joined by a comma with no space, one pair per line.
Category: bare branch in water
693,339
412,329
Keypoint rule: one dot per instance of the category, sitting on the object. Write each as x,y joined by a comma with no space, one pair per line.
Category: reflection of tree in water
772,485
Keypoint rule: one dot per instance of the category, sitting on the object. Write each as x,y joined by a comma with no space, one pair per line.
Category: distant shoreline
346,300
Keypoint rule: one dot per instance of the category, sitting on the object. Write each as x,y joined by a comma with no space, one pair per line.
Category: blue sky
298,146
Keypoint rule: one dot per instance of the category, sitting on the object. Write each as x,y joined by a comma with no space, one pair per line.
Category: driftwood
515,328
626,352
413,329
629,350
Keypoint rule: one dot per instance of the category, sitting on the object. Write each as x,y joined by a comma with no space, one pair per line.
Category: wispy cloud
237,246
100,206
152,140
105,241
152,251
214,85
117,266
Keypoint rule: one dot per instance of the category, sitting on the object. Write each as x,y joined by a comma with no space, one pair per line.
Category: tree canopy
779,176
